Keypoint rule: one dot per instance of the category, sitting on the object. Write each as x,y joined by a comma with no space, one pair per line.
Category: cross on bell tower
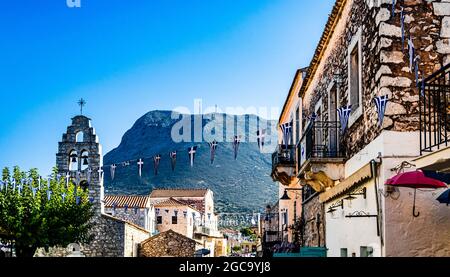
80,157
81,103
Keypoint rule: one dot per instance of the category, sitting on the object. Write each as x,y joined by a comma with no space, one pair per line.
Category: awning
362,175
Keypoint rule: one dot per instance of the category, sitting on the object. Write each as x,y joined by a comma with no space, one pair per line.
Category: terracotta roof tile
172,202
130,200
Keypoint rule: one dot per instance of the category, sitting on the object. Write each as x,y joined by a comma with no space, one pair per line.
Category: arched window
79,137
73,160
84,160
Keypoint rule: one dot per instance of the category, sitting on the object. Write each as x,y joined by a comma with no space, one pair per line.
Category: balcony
283,164
434,120
321,155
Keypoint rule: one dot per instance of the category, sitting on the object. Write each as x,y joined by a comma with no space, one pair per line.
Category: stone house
80,157
361,55
132,208
168,244
178,216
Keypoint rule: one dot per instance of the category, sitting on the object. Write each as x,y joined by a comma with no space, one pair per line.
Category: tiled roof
172,202
161,193
130,200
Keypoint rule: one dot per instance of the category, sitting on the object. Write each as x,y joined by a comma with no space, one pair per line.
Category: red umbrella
415,180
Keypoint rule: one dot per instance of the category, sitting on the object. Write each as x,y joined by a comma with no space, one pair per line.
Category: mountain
241,185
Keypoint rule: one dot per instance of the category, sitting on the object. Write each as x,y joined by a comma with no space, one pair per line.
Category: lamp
351,196
286,196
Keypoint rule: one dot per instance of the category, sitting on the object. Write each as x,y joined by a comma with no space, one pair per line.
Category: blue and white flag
236,143
156,161
286,128
67,179
49,195
191,151
344,115
260,136
411,53
113,171
39,182
20,189
393,9
402,24
2,184
173,159
125,208
212,148
33,191
422,89
416,69
140,165
313,117
13,183
58,177
381,103
63,196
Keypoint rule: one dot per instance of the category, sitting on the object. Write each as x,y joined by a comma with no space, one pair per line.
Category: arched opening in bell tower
73,160
84,160
79,137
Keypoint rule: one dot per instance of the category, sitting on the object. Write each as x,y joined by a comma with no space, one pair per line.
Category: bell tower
80,157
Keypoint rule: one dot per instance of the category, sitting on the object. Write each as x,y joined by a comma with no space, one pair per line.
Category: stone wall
108,240
137,218
312,210
133,237
385,67
167,244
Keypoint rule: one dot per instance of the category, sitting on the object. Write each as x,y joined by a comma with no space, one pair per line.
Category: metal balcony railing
435,111
283,156
320,140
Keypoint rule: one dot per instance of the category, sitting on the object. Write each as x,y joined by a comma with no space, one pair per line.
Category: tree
54,215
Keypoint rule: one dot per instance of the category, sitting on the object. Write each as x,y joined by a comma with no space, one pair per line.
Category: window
174,219
355,77
159,219
344,252
366,251
79,137
333,133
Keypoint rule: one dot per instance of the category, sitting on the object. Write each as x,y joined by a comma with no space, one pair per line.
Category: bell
74,158
85,161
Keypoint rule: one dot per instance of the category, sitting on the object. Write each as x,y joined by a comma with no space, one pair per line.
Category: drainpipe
374,170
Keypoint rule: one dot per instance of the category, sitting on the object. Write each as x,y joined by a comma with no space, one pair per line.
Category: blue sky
130,57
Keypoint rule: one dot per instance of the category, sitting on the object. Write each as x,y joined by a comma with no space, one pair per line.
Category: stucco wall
133,237
184,226
352,233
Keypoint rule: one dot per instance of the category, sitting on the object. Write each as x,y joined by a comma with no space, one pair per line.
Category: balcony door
319,146
333,130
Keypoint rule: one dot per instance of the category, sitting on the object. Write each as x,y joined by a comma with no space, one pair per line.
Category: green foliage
248,233
33,221
236,248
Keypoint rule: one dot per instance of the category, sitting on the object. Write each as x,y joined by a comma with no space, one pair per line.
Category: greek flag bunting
411,53
33,191
213,147
236,143
113,171
286,128
156,161
416,69
381,103
140,164
344,114
49,195
260,135
126,208
393,9
173,159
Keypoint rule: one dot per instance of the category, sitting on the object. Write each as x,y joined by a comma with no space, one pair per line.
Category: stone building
80,156
135,209
168,244
360,56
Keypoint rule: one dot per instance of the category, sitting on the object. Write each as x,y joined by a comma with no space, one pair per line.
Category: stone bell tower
80,156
